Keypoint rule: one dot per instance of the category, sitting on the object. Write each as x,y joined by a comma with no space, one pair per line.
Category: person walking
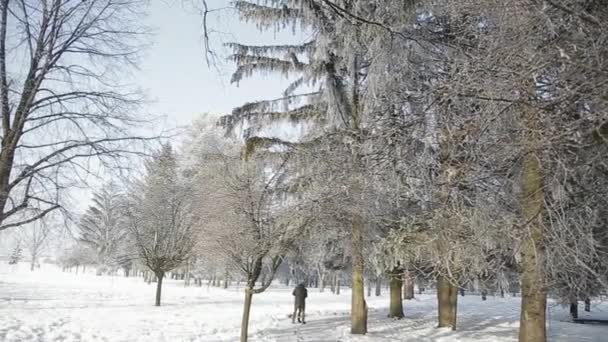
300,293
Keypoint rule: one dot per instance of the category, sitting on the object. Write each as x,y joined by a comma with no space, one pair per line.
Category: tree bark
358,305
396,304
159,286
246,311
369,288
378,286
534,292
447,298
408,286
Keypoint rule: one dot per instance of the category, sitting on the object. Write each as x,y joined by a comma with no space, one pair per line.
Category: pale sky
174,72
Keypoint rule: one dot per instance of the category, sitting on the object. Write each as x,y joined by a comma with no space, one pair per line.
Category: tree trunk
322,283
187,280
408,286
534,292
574,309
246,310
395,285
333,283
337,285
378,286
358,305
32,265
447,298
484,295
369,287
159,286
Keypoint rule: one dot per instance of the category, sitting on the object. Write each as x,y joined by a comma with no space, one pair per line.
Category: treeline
454,144
463,142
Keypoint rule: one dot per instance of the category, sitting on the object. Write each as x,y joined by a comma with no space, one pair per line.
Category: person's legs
303,311
295,310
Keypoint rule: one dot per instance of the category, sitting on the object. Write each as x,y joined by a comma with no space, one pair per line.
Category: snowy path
55,306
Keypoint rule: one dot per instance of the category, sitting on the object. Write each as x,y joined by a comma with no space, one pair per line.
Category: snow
49,305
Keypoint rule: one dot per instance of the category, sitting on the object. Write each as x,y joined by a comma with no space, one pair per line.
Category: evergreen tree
16,254
103,226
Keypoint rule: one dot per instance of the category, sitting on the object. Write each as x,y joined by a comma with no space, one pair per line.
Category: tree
337,70
36,238
424,101
62,102
247,221
76,255
103,226
160,216
249,217
16,254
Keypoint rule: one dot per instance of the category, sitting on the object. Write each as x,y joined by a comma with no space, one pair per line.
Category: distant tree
16,254
160,216
36,238
103,225
77,255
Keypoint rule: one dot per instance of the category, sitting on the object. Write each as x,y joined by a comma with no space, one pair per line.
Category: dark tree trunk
574,309
159,286
484,295
369,287
395,285
447,297
378,286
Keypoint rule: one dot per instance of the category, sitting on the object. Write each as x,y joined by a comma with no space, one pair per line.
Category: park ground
50,305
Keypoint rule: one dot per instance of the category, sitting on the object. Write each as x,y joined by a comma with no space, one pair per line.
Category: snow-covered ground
48,305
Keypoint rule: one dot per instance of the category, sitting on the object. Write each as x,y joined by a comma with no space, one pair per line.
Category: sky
174,73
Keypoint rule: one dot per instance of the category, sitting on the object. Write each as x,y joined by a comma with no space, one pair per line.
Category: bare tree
35,238
64,98
246,214
160,216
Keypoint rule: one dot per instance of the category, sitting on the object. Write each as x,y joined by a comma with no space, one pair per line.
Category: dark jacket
300,293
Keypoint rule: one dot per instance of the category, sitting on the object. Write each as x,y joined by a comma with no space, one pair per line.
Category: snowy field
48,305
